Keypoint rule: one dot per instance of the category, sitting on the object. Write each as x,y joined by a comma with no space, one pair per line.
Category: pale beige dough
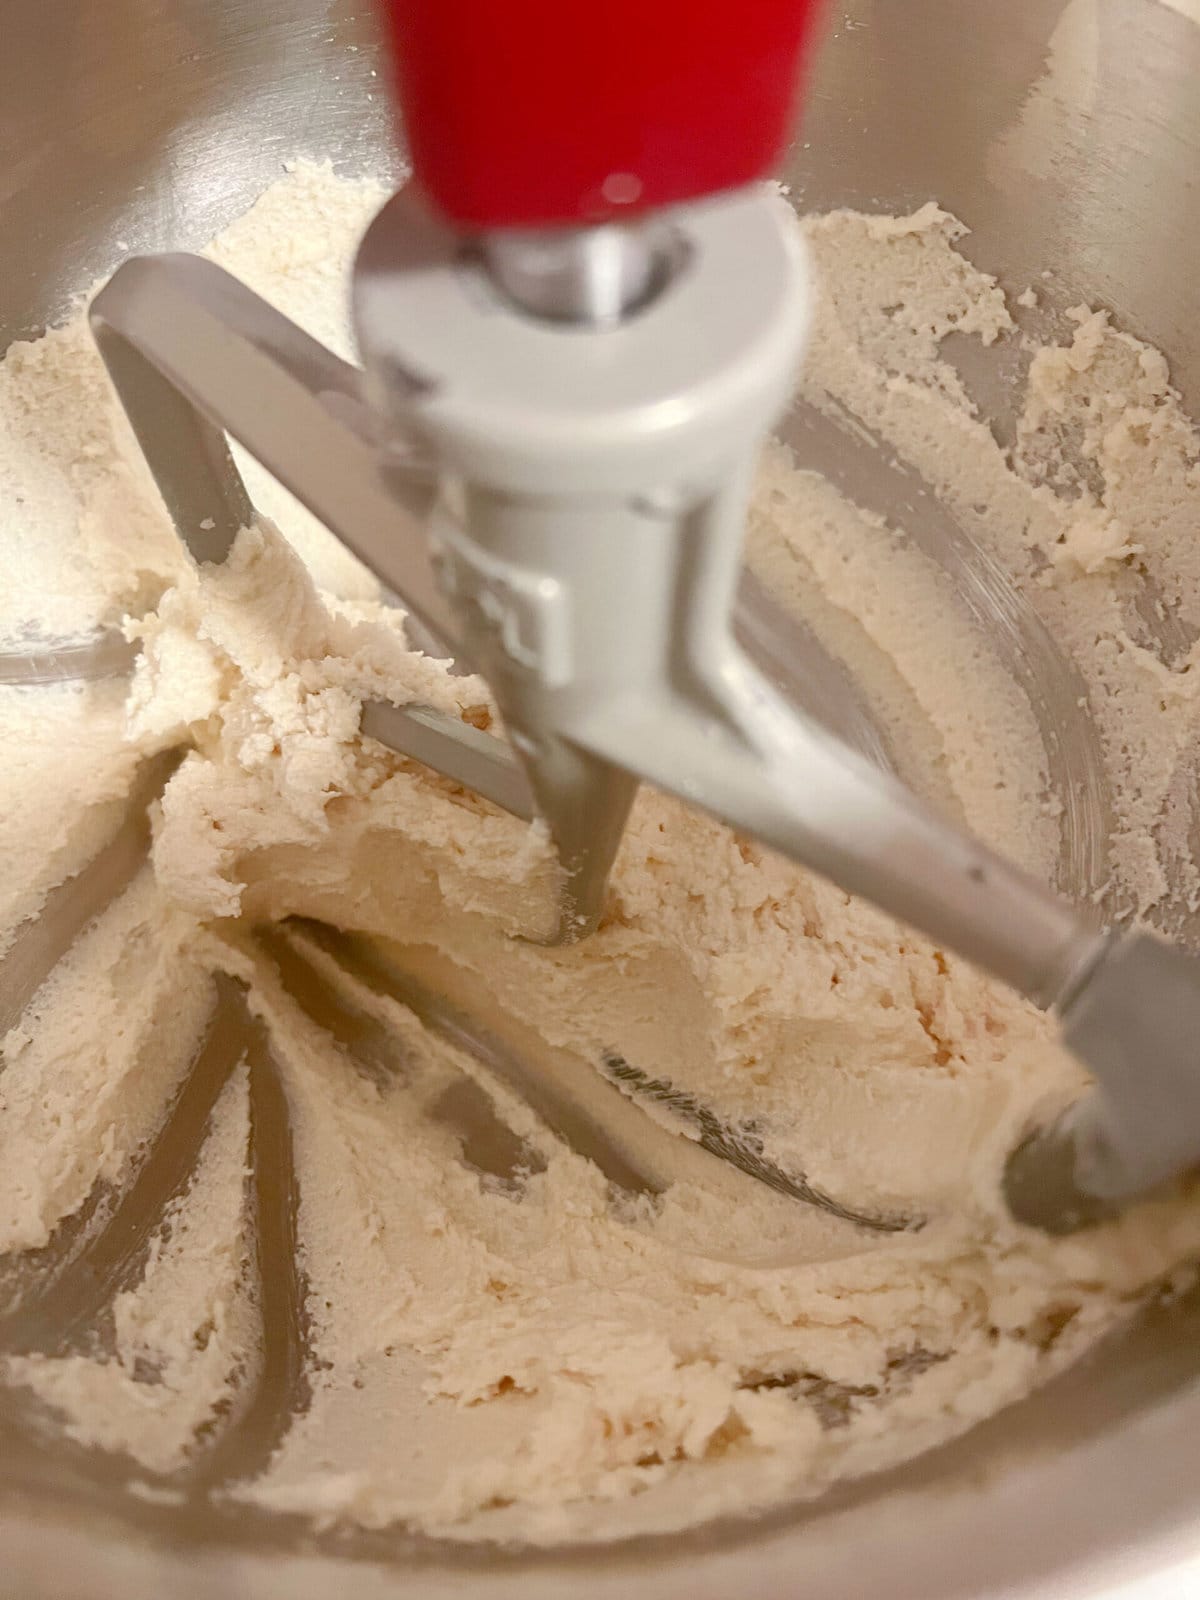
546,1358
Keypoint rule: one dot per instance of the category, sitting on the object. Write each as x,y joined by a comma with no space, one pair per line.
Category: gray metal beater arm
194,355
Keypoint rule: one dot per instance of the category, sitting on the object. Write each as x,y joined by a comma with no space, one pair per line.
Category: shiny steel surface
596,276
1067,134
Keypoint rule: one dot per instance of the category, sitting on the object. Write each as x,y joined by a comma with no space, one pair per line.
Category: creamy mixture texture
491,1240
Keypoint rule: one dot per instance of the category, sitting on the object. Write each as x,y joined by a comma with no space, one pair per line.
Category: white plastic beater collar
666,401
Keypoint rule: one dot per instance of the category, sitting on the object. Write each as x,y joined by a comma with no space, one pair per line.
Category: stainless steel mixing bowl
1067,134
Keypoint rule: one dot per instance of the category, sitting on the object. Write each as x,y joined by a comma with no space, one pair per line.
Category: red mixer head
533,113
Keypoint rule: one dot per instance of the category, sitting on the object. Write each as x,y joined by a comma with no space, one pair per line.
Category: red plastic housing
530,113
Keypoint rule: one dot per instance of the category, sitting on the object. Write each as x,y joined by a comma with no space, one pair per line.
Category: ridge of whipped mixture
519,1344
